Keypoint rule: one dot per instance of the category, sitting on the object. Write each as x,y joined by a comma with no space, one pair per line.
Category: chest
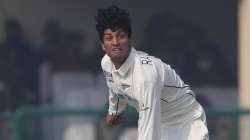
122,86
130,87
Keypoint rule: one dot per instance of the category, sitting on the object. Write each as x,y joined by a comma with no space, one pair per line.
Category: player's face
116,44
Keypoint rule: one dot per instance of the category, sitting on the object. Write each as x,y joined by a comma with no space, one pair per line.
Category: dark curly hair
114,18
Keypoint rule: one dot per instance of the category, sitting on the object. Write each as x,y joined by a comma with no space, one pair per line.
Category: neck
118,64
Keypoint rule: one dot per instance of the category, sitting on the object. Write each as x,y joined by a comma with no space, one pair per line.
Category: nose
115,41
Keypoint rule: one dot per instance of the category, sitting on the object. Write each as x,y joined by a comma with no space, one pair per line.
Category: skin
114,119
117,45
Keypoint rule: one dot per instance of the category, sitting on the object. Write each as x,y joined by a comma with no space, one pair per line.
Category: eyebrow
107,34
119,31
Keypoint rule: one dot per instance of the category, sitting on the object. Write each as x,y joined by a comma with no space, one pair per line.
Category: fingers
118,119
114,120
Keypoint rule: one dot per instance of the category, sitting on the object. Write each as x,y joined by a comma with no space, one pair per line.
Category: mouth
117,50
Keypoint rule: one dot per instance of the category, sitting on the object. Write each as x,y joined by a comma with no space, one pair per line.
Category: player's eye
122,35
107,38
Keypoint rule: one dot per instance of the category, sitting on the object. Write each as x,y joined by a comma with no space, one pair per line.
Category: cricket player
166,105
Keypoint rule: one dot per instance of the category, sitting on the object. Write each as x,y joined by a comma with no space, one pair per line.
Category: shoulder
148,69
148,63
148,60
152,64
105,62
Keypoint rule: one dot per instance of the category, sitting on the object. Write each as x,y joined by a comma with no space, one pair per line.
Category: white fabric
190,130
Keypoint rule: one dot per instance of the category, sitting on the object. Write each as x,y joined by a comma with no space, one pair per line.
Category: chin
116,57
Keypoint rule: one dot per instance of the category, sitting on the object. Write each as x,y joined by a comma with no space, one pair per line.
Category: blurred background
51,83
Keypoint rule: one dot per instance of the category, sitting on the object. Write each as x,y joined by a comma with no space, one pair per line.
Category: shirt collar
127,64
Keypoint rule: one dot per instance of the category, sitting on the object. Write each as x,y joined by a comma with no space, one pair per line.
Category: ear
102,45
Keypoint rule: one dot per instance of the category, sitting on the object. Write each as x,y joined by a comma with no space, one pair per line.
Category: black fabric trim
164,100
175,86
117,105
190,94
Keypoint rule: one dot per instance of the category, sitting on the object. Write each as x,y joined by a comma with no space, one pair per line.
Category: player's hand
114,119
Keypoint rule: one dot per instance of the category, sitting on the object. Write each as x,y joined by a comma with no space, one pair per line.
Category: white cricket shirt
153,88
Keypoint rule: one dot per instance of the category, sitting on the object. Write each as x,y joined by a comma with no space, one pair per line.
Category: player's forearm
116,107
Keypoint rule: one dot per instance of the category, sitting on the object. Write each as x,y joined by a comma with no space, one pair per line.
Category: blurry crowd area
186,47
21,61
